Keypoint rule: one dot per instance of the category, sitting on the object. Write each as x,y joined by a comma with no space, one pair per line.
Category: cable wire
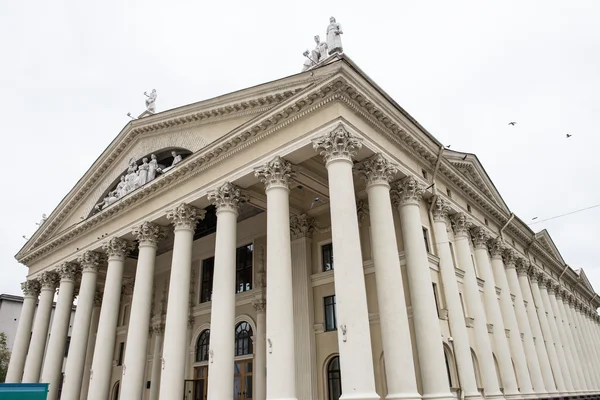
563,215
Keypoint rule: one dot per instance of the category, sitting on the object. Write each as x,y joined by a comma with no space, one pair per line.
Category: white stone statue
143,173
44,218
308,63
131,178
122,187
320,50
152,168
334,40
176,158
150,101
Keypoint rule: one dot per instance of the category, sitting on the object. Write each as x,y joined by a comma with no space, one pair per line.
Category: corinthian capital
440,210
407,191
118,247
461,225
90,261
496,247
31,288
480,237
68,271
376,170
275,173
552,286
534,274
149,233
301,226
227,197
509,257
523,266
185,216
339,144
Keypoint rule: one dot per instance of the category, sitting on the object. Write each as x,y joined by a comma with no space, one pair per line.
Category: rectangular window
462,304
121,353
330,322
426,239
67,345
243,270
452,254
424,173
125,317
485,221
468,208
435,296
448,193
327,256
474,266
208,268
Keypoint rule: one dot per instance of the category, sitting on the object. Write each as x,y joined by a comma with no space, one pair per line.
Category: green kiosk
23,391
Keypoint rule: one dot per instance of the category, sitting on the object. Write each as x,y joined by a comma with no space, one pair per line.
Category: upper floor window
426,239
327,256
424,173
243,270
243,339
435,296
208,268
448,193
202,346
121,353
330,316
468,207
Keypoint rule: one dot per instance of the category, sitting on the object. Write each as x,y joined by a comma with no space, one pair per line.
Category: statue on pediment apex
334,40
151,101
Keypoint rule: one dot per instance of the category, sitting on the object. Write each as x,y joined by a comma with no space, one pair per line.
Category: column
531,355
583,313
564,367
184,218
456,317
37,345
52,371
260,352
534,276
116,249
510,321
158,330
377,171
31,291
564,330
281,362
594,342
588,356
523,267
222,319
134,365
338,148
302,228
494,317
474,304
91,344
90,262
584,378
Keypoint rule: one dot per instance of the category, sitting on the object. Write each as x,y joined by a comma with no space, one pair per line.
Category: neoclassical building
301,239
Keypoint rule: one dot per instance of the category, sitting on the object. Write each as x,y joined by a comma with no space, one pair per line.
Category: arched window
202,346
449,365
115,391
243,339
334,379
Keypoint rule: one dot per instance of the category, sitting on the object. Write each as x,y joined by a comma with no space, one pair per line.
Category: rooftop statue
323,49
151,100
334,40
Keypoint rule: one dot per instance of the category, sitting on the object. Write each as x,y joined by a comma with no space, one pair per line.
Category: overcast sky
71,70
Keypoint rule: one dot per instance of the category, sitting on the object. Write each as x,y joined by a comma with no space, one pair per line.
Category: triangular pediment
472,169
543,237
584,280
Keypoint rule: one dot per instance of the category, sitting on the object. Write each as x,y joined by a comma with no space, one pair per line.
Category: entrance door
242,380
200,383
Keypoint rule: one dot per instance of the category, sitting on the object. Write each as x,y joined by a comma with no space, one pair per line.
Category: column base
358,396
530,395
473,396
403,396
512,396
494,396
438,396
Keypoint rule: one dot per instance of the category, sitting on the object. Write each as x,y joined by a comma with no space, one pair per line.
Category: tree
4,357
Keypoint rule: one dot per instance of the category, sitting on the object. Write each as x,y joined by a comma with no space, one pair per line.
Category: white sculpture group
324,49
136,177
151,101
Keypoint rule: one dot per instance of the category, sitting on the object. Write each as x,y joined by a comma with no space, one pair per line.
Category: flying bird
465,157
568,136
512,123
534,218
316,200
448,146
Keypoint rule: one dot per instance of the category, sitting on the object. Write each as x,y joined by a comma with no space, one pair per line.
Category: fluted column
91,345
593,343
494,317
260,350
37,345
583,314
475,307
456,317
558,345
116,249
589,357
534,276
52,371
158,330
510,321
148,235
564,329
302,228
523,267
281,376
338,148
377,171
226,198
31,291
90,262
584,378
184,218
533,363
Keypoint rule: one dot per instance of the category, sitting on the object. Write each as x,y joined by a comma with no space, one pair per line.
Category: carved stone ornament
275,173
509,257
185,216
49,280
158,329
149,233
31,288
68,271
227,197
480,237
362,210
90,261
406,191
440,210
301,226
376,170
496,247
558,292
260,305
533,273
118,247
551,286
339,144
461,225
98,298
191,321
542,280
523,266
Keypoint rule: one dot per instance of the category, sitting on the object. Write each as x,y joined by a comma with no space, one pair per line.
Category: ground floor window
242,380
200,384
334,379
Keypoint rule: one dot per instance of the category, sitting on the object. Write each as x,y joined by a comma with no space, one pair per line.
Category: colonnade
546,342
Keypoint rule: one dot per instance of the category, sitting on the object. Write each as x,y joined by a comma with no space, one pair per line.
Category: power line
563,215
